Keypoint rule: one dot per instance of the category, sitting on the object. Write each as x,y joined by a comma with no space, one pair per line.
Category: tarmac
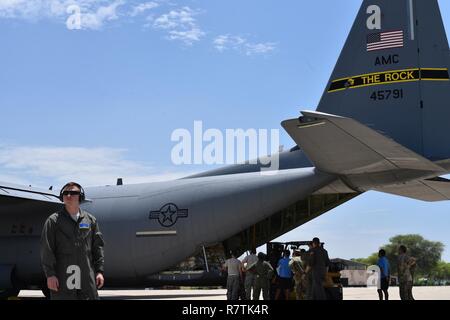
420,293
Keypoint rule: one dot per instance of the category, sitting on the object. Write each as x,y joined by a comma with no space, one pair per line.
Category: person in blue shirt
284,276
385,273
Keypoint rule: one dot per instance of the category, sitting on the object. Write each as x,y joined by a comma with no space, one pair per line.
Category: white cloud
42,166
259,48
13,179
94,13
224,42
20,8
182,18
103,13
242,45
141,8
180,24
188,37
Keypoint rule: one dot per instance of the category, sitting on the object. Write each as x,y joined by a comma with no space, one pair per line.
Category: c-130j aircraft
381,124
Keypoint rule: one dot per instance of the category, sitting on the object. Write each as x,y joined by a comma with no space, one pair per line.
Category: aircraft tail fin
393,75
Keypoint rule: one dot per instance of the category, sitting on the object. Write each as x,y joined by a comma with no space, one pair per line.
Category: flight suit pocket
64,243
84,234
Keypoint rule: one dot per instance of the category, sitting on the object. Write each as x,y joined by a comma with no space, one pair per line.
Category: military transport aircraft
382,124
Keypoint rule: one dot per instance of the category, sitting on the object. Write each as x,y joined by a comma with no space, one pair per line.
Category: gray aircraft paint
236,202
223,202
419,120
218,207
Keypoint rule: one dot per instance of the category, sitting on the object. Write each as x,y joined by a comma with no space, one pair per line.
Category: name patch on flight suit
84,226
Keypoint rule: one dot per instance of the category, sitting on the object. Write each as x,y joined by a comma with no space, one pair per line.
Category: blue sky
101,102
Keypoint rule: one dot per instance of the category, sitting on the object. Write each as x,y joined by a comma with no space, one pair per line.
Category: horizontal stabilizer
437,189
344,146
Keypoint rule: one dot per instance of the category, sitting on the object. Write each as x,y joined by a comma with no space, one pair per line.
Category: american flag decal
385,40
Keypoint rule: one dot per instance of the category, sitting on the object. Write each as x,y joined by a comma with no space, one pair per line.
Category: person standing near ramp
250,275
405,263
385,271
307,280
319,263
264,273
284,276
297,269
72,249
234,269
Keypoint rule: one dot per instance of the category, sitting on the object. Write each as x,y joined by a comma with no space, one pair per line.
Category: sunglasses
72,193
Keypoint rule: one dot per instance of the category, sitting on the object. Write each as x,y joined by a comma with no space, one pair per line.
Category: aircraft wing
17,199
344,146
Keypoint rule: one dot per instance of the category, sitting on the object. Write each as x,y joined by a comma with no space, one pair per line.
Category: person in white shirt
234,268
249,263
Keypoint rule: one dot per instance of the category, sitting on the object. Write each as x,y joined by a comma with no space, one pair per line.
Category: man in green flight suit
405,278
319,263
72,249
264,273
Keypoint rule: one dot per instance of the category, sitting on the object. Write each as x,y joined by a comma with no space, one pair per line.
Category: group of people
406,266
72,236
305,272
258,273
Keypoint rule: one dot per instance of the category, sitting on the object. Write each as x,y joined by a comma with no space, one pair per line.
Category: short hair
403,248
316,240
71,184
261,256
382,252
253,250
287,253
